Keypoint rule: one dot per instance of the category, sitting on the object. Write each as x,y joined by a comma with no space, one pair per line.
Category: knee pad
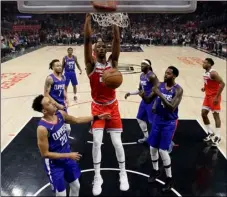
74,188
142,124
75,184
165,157
154,153
153,150
162,152
63,193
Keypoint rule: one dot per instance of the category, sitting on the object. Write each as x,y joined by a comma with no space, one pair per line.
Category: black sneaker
168,185
154,175
75,98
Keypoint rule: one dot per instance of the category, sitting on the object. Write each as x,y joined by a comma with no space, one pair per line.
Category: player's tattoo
48,83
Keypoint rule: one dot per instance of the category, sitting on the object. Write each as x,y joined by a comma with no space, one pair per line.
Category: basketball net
109,17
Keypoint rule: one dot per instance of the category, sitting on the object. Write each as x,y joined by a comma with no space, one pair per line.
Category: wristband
96,117
134,93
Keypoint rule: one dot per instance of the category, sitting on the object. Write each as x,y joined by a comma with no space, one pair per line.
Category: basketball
112,78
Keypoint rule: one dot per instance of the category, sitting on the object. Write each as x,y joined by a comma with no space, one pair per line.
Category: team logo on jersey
143,83
56,135
168,96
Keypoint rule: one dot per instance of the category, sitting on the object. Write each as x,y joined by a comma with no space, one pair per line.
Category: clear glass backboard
129,6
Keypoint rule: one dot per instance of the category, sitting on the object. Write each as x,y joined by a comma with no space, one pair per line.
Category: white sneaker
124,185
209,137
141,141
97,185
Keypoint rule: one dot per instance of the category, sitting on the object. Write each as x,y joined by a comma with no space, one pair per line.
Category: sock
145,134
166,162
96,150
122,166
74,188
143,127
63,193
217,132
154,157
97,168
208,128
119,150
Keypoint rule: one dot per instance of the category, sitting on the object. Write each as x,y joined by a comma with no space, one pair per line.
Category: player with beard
167,95
144,115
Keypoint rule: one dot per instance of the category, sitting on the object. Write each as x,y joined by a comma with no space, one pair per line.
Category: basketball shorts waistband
107,103
69,71
163,118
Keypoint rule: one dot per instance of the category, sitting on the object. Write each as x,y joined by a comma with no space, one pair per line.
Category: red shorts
114,124
208,104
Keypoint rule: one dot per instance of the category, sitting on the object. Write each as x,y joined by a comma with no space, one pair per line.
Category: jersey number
63,139
60,91
100,79
71,66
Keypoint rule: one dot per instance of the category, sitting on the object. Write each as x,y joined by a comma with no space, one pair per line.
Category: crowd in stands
204,29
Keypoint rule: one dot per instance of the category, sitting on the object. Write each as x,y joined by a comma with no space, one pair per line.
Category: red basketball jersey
99,92
211,86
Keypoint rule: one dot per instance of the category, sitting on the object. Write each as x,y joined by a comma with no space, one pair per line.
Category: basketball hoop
105,15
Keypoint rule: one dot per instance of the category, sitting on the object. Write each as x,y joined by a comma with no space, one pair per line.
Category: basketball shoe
124,185
97,185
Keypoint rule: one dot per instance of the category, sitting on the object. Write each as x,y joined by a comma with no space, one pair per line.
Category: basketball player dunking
144,115
55,87
60,164
68,63
104,100
167,97
213,87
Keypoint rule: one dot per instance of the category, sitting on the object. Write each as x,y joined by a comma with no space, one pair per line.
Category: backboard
129,6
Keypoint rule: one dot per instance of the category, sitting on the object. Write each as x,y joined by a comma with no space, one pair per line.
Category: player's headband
146,62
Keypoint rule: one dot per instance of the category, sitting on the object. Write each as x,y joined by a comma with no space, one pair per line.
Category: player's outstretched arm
115,46
47,87
89,62
43,144
171,105
133,93
73,120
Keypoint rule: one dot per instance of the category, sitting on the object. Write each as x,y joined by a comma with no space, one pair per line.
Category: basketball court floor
198,169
